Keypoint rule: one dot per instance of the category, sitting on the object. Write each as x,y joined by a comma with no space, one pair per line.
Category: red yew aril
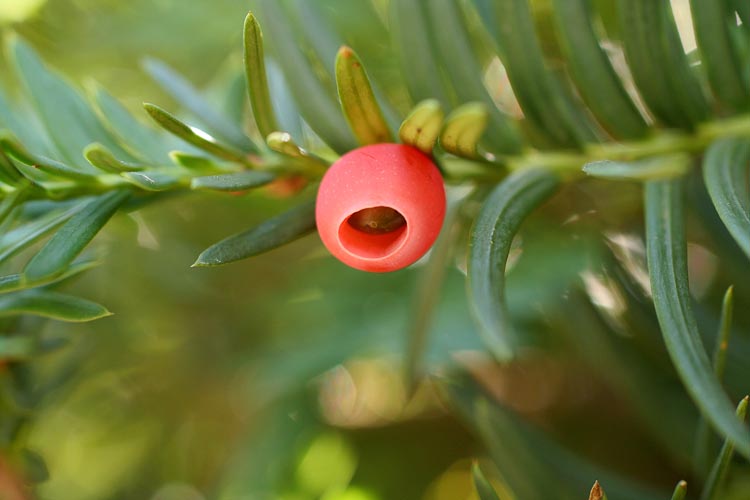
380,207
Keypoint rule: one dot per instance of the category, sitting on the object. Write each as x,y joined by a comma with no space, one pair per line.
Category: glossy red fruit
381,207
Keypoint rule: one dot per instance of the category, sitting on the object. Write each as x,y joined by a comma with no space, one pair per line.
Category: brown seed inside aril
377,220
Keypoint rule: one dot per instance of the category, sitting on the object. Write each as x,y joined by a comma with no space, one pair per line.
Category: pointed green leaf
596,79
597,492
202,141
360,107
103,159
667,263
711,22
658,167
143,141
463,128
51,305
720,469
680,491
46,165
725,329
491,237
216,124
465,71
482,485
423,125
273,233
257,82
725,172
16,240
658,63
153,180
72,238
69,120
239,181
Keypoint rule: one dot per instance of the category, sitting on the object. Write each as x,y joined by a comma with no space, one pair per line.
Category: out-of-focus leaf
548,105
314,99
718,52
465,71
532,465
596,79
283,103
667,263
51,305
638,381
72,238
257,82
491,237
239,181
720,469
428,294
24,346
660,167
143,141
482,485
17,347
184,93
273,233
34,466
16,240
726,174
69,120
21,122
408,22
658,63
358,102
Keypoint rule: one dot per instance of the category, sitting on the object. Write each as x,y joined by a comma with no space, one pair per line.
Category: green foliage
492,235
517,155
